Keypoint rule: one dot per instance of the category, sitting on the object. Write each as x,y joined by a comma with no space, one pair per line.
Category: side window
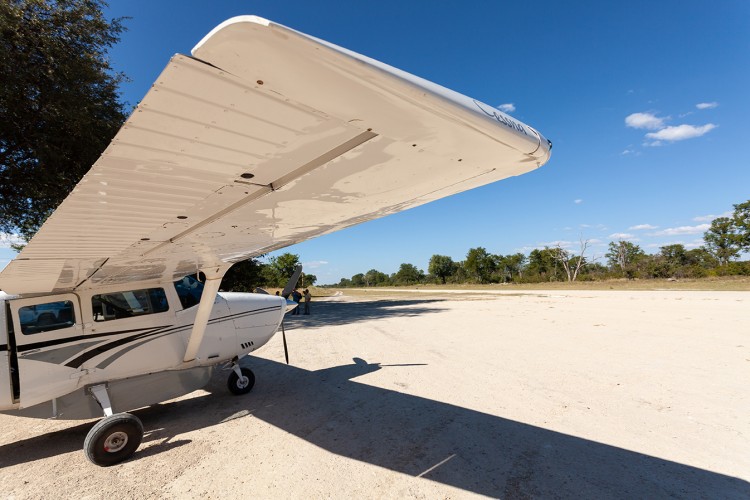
118,305
46,317
189,290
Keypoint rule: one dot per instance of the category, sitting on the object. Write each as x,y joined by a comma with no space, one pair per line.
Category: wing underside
264,138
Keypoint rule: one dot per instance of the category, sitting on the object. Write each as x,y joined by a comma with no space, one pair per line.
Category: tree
280,269
723,240
514,265
571,264
244,276
741,221
373,277
625,256
479,264
59,104
441,266
543,264
675,255
408,274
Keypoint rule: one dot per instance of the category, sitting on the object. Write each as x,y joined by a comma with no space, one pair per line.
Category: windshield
189,290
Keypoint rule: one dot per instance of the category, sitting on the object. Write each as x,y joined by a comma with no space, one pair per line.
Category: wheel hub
115,442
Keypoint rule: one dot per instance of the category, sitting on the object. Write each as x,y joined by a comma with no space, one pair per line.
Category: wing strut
210,290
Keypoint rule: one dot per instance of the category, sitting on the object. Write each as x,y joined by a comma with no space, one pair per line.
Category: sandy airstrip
562,394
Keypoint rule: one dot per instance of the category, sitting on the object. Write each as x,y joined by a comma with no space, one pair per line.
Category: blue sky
646,104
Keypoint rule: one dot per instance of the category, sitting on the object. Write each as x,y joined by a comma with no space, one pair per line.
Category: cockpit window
118,305
189,290
46,317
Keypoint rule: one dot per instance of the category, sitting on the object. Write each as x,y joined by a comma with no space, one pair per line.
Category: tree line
725,240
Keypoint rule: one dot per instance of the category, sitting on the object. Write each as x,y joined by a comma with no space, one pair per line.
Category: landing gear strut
241,380
115,437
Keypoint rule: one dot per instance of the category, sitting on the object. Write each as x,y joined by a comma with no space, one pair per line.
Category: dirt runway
564,394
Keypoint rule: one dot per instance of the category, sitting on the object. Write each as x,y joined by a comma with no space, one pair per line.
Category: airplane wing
265,137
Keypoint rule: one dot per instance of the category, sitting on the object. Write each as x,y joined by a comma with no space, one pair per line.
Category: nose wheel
241,380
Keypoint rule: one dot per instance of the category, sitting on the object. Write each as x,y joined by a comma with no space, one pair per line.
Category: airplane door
8,372
47,331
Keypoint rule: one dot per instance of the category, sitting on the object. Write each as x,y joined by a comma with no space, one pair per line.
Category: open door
8,360
44,332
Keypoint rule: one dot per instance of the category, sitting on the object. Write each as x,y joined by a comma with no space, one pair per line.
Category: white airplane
265,137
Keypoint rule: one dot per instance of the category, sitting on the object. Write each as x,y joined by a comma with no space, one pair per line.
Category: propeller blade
283,336
292,283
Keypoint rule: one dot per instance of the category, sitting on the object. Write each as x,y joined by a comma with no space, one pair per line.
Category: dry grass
734,283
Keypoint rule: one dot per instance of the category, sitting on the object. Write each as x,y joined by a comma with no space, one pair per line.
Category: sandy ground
562,394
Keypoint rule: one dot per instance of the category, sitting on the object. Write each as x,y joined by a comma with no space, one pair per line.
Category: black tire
237,386
113,439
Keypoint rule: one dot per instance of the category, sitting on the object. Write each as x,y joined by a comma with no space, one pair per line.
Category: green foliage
741,222
624,257
512,266
479,264
59,104
373,277
543,265
723,239
280,269
408,274
441,267
244,276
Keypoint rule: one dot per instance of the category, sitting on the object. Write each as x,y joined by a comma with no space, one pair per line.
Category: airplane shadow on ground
467,449
460,447
333,313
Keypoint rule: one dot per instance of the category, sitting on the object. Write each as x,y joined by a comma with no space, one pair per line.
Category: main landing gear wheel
241,385
113,439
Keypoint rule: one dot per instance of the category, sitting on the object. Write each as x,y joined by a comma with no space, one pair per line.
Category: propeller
283,337
290,304
292,283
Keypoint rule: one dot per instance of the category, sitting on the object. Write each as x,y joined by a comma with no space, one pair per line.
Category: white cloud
627,151
641,227
672,231
707,105
710,217
679,133
578,201
507,107
6,240
622,236
644,120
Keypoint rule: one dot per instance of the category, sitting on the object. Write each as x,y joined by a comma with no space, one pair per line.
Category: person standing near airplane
297,297
308,297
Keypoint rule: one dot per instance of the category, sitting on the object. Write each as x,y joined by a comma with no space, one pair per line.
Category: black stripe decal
101,349
48,343
3,347
108,361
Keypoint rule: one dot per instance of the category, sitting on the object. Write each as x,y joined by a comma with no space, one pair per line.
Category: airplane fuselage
54,347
